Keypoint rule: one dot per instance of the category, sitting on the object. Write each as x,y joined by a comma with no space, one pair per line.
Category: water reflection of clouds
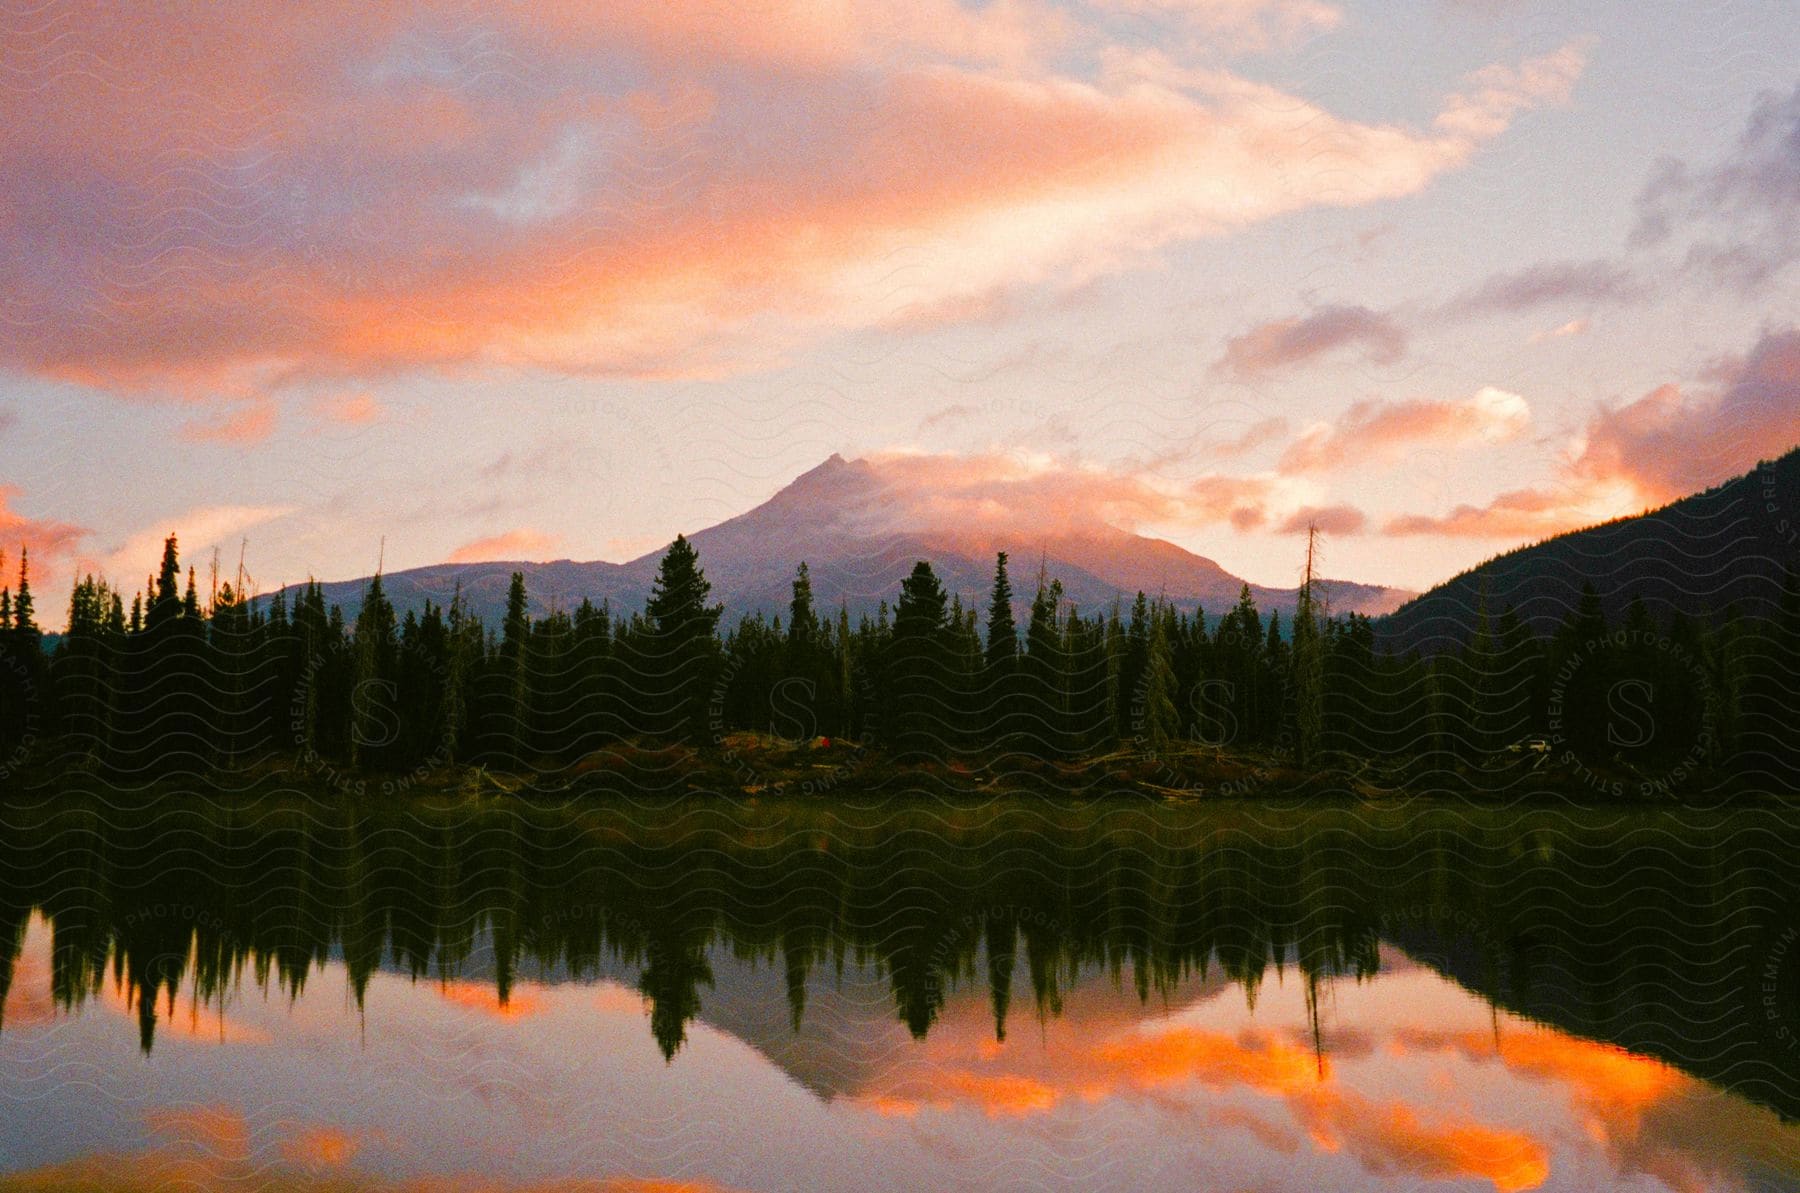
1417,1081
1647,1117
212,1147
1188,1067
1524,1102
30,1001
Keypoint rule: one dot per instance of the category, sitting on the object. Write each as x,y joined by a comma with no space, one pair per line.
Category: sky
473,281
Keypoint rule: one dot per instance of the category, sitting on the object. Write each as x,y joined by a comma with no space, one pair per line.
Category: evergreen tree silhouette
684,651
996,719
375,697
1161,721
803,619
23,606
918,659
1044,675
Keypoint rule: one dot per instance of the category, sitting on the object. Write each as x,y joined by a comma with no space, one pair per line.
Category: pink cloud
1593,282
241,426
1373,429
1499,93
1257,434
51,545
1328,519
355,409
200,531
1141,1065
512,544
1660,447
1284,342
1573,327
1669,443
1521,514
985,495
354,197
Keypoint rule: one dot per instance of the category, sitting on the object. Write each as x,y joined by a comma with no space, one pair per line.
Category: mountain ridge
860,533
1697,555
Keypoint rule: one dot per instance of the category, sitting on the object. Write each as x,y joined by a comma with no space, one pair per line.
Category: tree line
173,682
1014,903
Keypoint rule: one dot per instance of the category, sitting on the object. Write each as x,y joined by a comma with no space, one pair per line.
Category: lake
741,996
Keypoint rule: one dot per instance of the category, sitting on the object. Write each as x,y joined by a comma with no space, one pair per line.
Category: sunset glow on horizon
481,281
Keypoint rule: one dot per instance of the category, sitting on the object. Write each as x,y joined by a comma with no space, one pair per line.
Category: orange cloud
399,216
988,496
356,409
1663,446
1375,428
49,542
484,997
211,1147
1517,514
512,544
321,1147
1384,1136
1649,1116
242,427
1669,443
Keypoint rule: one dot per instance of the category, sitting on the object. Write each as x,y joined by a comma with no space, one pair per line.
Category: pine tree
374,711
1002,633
1161,720
515,626
23,622
166,604
1238,648
850,704
918,663
684,650
230,629
1089,682
996,714
505,692
1134,657
803,619
1044,673
802,681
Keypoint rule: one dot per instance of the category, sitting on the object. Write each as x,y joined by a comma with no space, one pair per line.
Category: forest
184,682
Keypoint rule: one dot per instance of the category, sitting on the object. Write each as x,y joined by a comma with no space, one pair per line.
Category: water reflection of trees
1641,932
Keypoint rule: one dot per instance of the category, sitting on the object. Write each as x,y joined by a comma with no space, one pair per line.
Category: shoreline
748,767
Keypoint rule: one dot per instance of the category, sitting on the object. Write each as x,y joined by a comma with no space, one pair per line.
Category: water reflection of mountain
844,1036
828,940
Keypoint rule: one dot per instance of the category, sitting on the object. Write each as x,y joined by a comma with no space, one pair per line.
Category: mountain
860,529
1697,556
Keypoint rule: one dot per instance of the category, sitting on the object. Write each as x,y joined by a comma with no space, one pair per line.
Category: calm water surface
770,998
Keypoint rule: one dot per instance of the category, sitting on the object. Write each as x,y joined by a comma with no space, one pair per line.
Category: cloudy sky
503,281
